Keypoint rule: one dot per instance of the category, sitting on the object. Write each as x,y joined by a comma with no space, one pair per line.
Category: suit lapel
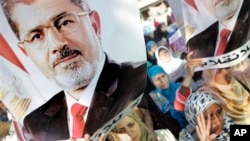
102,99
239,36
95,120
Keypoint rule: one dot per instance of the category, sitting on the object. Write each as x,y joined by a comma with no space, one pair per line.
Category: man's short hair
7,6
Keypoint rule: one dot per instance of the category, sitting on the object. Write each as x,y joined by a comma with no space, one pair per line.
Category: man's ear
20,45
96,23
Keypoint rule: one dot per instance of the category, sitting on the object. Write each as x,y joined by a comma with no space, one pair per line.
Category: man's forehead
39,12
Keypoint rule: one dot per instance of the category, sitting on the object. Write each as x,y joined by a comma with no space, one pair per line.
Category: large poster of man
78,58
217,30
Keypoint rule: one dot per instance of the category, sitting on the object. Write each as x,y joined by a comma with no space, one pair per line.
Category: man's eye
64,23
36,36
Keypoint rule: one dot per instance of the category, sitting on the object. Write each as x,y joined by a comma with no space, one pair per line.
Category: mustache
65,52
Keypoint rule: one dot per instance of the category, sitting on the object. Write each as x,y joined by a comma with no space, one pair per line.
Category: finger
212,137
189,55
199,134
200,121
200,126
86,137
194,61
101,137
208,124
72,139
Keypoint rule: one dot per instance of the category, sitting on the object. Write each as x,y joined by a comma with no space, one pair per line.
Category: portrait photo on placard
61,60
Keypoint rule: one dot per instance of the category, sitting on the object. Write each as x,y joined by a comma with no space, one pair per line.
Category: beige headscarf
234,97
147,134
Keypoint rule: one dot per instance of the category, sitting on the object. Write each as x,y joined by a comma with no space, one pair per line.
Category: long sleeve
181,96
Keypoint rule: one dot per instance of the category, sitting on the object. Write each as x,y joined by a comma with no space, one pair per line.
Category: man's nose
55,40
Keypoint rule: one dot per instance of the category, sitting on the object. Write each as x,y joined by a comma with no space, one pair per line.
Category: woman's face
223,76
161,81
129,126
163,28
153,48
216,114
164,55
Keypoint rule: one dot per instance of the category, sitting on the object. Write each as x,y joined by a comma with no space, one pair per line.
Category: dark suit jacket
204,43
117,86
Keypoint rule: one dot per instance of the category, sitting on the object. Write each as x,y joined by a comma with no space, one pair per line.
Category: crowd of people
210,101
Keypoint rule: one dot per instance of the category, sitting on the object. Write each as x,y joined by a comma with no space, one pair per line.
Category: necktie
78,111
223,41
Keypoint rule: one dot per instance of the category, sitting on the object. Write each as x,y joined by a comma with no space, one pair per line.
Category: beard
226,10
75,76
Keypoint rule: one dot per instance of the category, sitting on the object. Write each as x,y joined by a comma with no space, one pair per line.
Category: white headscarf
196,103
175,68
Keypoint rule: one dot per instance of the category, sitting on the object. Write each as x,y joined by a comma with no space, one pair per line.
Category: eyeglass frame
52,26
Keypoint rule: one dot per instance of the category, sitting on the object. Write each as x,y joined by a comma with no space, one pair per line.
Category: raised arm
184,91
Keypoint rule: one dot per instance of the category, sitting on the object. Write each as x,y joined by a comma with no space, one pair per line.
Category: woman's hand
203,129
192,63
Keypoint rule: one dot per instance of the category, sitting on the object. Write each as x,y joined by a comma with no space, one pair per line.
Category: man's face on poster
221,9
61,39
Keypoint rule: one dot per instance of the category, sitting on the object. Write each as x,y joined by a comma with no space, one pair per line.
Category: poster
203,22
88,48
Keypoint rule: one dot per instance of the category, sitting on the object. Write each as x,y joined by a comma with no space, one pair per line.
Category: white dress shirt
86,98
229,25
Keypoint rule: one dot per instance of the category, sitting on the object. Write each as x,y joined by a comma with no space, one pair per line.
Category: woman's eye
120,131
219,111
131,124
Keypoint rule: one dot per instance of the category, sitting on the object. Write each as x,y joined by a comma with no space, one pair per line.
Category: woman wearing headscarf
151,47
166,94
206,118
169,95
161,32
173,66
231,86
138,131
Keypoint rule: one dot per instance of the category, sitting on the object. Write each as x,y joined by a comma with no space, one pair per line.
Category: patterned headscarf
196,103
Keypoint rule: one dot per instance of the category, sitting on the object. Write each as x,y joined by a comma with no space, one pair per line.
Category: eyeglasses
63,24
